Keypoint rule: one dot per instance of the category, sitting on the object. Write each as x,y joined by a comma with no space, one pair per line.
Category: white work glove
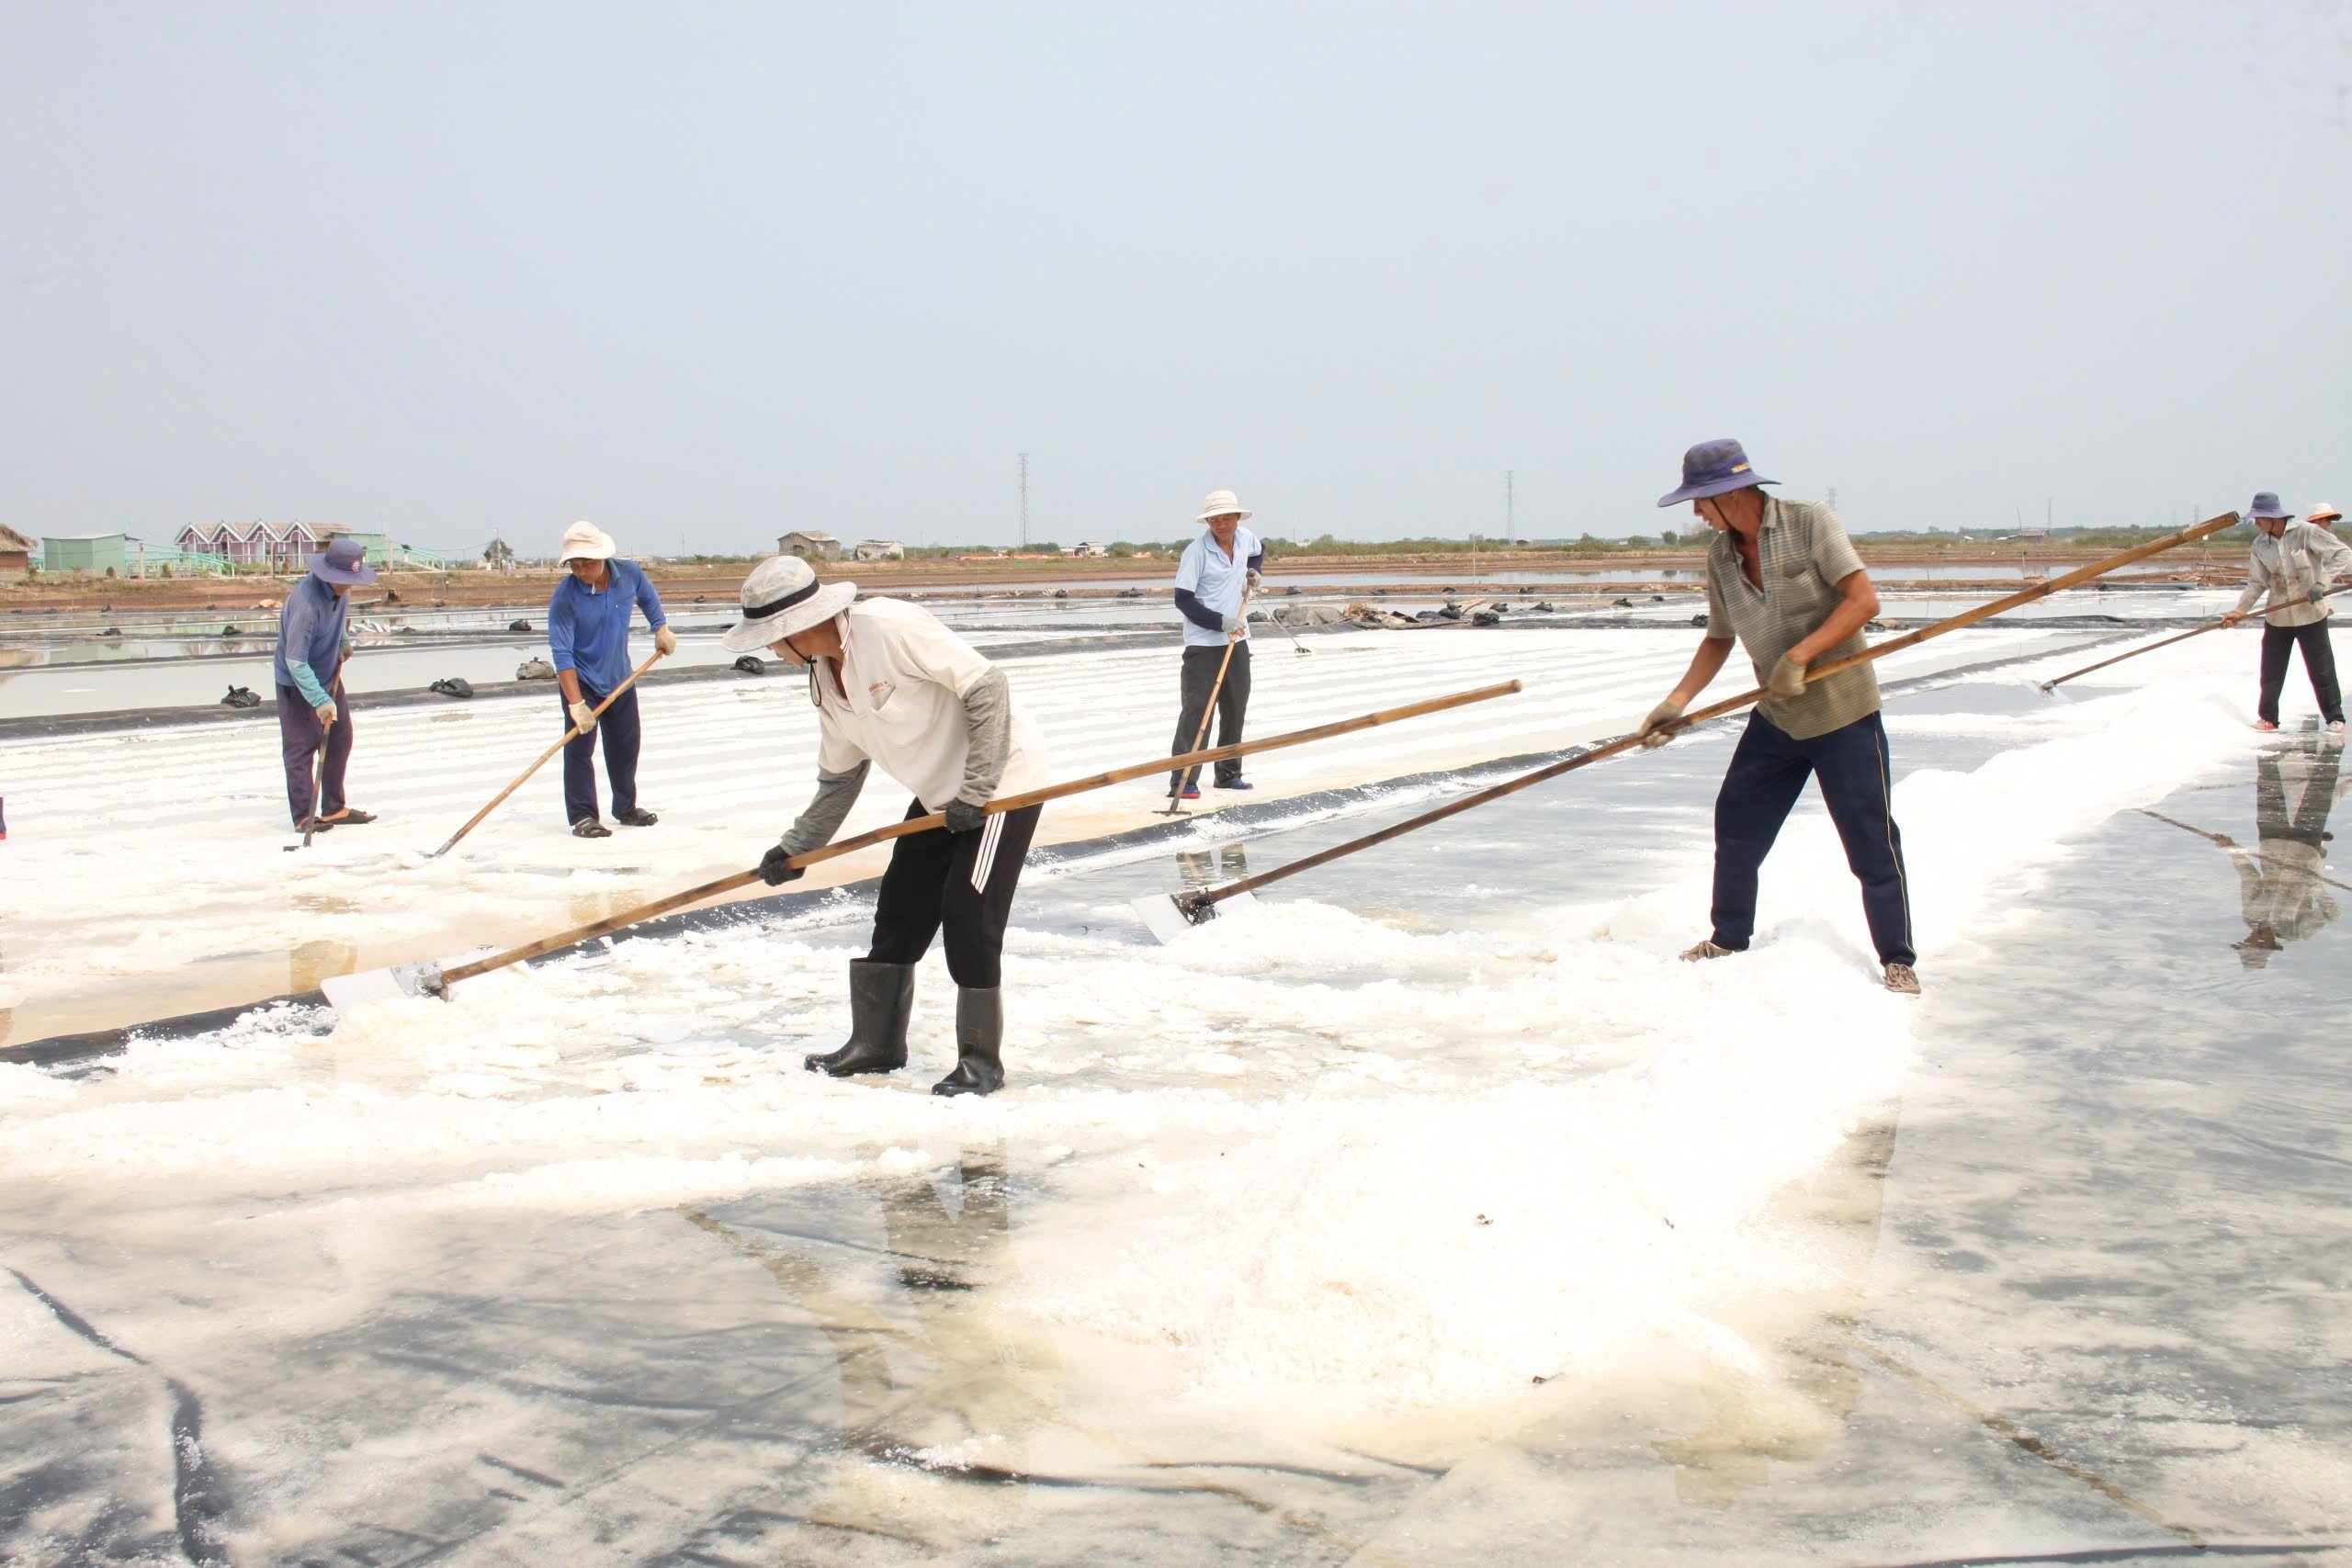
665,641
1233,622
583,718
326,712
1652,732
1788,679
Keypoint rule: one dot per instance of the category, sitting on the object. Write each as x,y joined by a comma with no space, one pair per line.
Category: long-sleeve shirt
588,628
310,639
2293,569
1210,584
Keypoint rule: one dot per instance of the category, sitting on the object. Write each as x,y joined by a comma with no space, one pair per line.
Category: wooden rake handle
2151,647
1207,896
1010,803
568,736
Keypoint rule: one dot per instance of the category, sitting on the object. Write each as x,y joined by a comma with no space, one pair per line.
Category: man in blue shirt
308,665
588,636
1212,576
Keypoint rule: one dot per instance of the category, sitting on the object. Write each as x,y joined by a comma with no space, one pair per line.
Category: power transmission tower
1024,500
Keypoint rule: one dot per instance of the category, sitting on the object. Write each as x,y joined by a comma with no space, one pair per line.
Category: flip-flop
351,814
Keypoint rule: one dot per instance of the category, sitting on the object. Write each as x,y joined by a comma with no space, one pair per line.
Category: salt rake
2048,686
430,979
1175,806
568,736
1168,915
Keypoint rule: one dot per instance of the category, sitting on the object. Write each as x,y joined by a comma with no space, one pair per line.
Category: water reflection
2281,888
946,1396
1207,868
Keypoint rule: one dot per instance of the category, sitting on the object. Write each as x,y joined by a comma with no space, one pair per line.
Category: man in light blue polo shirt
1210,581
588,636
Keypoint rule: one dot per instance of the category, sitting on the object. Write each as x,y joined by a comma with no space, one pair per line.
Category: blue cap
343,560
2265,504
1712,467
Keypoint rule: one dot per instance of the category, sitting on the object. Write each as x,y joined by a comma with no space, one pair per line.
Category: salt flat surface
1266,1248
100,823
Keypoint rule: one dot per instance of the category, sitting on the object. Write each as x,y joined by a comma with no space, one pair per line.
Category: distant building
809,544
282,547
879,549
378,546
96,554
1088,547
16,549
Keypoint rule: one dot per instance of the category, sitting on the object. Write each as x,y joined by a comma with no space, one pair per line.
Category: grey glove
1788,679
777,867
583,718
963,817
1233,622
1653,731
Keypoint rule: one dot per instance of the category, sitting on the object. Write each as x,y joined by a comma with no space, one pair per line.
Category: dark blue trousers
1767,773
617,733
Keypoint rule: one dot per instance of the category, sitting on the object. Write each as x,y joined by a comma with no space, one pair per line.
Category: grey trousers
1232,703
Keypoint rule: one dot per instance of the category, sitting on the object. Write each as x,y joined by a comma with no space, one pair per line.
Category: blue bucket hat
2265,504
343,560
1712,467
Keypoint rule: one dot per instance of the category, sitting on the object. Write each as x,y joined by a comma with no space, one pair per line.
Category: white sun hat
782,596
585,541
1223,503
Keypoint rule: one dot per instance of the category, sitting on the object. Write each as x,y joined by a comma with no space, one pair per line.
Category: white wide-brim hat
585,541
782,596
1223,503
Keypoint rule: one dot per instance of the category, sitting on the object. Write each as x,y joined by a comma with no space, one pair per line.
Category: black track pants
961,881
2319,664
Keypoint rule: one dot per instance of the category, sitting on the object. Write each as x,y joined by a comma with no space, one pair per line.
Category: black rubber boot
881,995
979,1039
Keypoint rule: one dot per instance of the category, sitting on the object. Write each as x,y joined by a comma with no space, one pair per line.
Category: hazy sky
702,273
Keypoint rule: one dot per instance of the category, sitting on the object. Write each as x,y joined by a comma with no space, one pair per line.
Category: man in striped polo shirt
1783,578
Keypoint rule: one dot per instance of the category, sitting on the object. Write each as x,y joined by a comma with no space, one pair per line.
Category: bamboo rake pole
1193,903
1232,640
475,820
2164,642
934,819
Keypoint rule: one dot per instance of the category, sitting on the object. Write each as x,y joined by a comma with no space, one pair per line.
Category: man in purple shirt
588,636
308,667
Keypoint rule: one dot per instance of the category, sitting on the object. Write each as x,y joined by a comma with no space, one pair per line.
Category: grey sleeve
815,827
987,735
2257,582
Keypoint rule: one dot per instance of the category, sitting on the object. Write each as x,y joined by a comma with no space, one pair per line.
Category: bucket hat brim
751,636
1698,489
321,568
1243,512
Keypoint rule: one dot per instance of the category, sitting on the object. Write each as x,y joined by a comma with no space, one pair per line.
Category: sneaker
636,817
2263,724
1902,979
1238,784
1191,792
1707,950
589,828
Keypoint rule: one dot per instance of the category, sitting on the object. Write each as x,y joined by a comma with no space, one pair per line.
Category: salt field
1429,1212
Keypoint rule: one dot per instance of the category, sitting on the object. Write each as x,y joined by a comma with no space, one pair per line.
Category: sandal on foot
589,828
